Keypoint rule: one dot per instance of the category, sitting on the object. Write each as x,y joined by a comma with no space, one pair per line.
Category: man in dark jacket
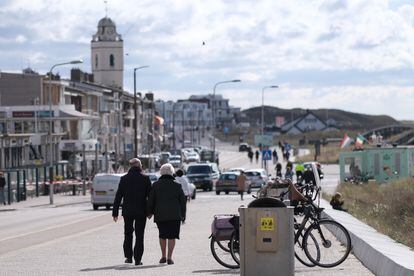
133,189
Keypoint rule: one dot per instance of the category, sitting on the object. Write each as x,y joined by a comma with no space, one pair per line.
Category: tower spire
106,8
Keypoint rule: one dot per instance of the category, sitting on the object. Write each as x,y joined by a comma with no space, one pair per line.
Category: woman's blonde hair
167,169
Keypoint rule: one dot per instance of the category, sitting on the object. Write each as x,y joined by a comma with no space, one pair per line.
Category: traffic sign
266,155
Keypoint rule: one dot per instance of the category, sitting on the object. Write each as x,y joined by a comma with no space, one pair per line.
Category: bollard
266,238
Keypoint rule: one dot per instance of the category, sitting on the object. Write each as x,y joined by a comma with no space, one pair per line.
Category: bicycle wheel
221,252
334,243
235,247
300,251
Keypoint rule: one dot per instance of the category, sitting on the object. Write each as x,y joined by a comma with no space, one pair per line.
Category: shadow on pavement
219,271
118,267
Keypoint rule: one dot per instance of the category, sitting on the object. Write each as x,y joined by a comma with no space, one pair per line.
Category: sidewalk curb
382,261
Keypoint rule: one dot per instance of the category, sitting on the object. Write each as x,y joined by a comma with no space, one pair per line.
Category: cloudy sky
356,55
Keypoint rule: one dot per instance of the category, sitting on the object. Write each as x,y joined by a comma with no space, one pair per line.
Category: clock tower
107,55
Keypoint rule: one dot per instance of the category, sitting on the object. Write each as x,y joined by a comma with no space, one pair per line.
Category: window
111,60
96,61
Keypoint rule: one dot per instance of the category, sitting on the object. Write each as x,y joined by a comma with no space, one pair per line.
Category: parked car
191,156
164,157
203,175
256,177
209,156
227,183
153,177
244,147
175,160
236,170
103,189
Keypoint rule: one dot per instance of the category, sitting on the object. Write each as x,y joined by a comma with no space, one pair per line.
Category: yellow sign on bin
267,224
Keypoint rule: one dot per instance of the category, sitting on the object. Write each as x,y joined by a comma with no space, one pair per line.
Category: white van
103,190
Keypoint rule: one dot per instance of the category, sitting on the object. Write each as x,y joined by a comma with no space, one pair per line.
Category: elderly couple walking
165,200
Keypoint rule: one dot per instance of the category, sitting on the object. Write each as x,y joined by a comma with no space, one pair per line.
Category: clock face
110,31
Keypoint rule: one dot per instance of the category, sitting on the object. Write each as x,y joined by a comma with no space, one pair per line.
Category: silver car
256,177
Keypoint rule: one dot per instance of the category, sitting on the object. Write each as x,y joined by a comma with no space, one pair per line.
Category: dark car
244,147
203,176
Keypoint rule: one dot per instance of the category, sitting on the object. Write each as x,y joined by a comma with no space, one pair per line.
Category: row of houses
83,120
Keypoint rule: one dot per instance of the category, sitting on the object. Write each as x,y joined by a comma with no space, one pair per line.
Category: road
72,239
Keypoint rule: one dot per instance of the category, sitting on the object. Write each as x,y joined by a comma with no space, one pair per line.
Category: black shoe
163,260
170,262
128,261
138,263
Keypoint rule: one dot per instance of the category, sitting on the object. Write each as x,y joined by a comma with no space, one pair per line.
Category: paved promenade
72,239
93,245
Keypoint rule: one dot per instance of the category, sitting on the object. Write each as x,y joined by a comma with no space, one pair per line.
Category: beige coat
241,183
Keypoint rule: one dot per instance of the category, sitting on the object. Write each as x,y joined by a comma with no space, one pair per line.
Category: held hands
115,219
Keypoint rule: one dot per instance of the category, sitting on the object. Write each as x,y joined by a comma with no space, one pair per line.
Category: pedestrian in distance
289,173
133,191
241,184
181,179
299,169
250,155
275,157
309,176
278,169
257,153
2,185
167,203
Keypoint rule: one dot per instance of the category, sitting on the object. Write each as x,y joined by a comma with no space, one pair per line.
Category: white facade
107,55
185,120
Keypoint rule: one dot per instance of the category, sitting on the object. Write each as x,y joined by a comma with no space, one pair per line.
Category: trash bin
266,238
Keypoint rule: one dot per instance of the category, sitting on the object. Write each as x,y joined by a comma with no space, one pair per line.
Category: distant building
184,120
225,115
89,113
306,123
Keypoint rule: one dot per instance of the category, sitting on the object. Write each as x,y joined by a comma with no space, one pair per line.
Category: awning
158,120
69,111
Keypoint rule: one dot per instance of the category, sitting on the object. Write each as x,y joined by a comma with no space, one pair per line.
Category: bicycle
313,235
223,227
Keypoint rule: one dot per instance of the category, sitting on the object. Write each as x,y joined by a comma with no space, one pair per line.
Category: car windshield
228,177
175,158
153,177
198,169
252,173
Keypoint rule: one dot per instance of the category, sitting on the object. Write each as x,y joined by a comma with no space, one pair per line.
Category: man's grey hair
135,162
167,169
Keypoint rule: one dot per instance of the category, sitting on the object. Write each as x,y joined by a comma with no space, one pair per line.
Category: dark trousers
131,223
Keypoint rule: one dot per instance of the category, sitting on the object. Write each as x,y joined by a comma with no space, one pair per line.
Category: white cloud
21,39
340,49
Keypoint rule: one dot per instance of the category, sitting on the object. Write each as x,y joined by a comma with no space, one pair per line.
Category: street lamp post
135,111
214,109
51,151
264,165
263,89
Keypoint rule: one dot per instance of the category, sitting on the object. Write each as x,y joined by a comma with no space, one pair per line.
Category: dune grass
389,208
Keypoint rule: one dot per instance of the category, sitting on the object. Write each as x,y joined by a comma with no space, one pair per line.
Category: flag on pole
346,141
359,141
